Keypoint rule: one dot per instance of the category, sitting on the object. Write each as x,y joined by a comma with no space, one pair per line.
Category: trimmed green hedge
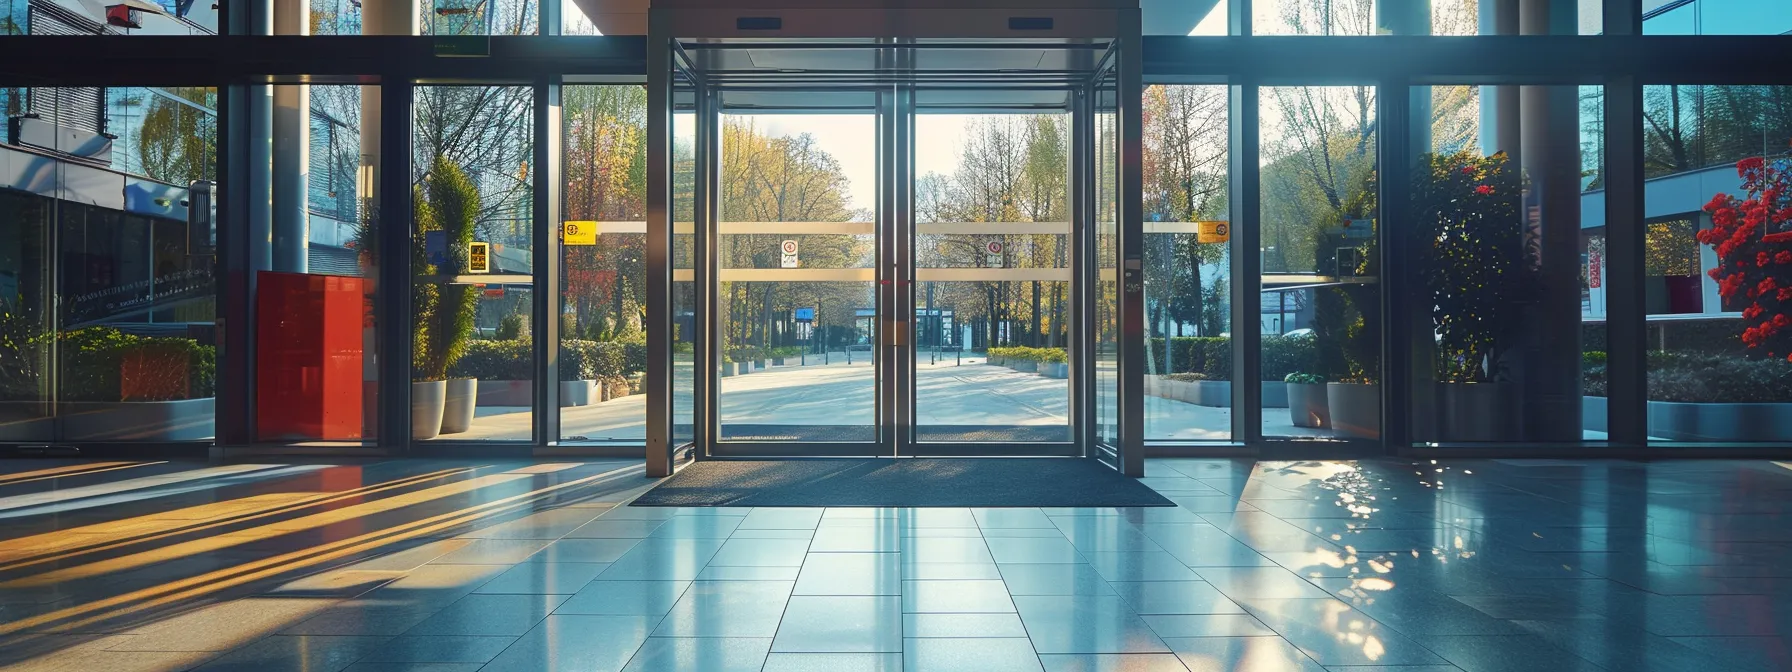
1212,356
92,361
579,360
1026,354
1701,378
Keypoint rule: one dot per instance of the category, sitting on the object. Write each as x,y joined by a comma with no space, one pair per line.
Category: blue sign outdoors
805,314
435,247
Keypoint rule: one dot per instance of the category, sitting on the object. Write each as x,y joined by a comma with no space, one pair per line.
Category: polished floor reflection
444,565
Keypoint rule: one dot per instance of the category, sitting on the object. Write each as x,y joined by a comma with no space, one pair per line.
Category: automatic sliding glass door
993,318
795,280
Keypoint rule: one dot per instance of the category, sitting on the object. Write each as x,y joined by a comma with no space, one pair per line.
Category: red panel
308,356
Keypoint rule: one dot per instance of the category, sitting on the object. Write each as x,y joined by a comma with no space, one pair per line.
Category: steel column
1130,202
659,251
1394,102
394,233
1245,193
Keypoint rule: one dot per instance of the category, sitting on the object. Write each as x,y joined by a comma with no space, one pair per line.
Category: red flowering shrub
1753,239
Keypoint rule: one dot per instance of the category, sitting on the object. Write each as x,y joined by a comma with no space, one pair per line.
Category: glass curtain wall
317,302
1320,315
1498,297
1187,261
1718,262
472,262
603,338
107,302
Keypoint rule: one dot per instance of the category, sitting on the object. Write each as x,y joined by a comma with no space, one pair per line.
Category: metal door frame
895,277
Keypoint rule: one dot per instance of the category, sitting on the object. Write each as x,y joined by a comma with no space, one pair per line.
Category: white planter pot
1307,406
1355,409
506,393
457,407
729,368
427,404
1471,412
1024,365
1681,421
1059,370
579,393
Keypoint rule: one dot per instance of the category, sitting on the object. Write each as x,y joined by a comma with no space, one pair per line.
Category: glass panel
473,193
1321,299
684,288
1496,331
317,360
101,297
174,17
603,342
602,17
1106,322
795,289
478,17
1184,17
1718,258
992,260
1716,17
1188,265
1405,17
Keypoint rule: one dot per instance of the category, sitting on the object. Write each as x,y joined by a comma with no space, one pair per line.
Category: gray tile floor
1388,565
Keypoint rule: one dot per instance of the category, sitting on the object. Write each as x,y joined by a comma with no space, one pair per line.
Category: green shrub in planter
1716,379
511,327
1187,377
592,360
634,356
1304,379
495,360
787,351
1283,355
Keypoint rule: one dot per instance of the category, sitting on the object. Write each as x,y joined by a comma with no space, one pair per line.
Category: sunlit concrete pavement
950,393
455,565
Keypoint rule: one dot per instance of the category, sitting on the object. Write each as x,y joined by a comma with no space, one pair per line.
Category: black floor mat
954,482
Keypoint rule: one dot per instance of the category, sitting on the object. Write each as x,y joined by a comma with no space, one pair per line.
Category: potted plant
1054,363
1470,263
446,202
1307,405
729,367
1347,329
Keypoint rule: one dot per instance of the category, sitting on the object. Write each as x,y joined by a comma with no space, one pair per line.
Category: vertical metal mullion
1626,319
1129,103
706,258
1085,275
1626,313
884,229
1245,191
659,250
902,188
549,18
395,273
546,295
1394,161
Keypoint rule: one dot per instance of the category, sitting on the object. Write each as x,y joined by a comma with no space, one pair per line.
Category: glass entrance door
992,239
887,246
795,284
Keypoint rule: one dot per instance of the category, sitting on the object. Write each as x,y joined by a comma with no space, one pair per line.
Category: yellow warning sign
578,233
479,257
1213,232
